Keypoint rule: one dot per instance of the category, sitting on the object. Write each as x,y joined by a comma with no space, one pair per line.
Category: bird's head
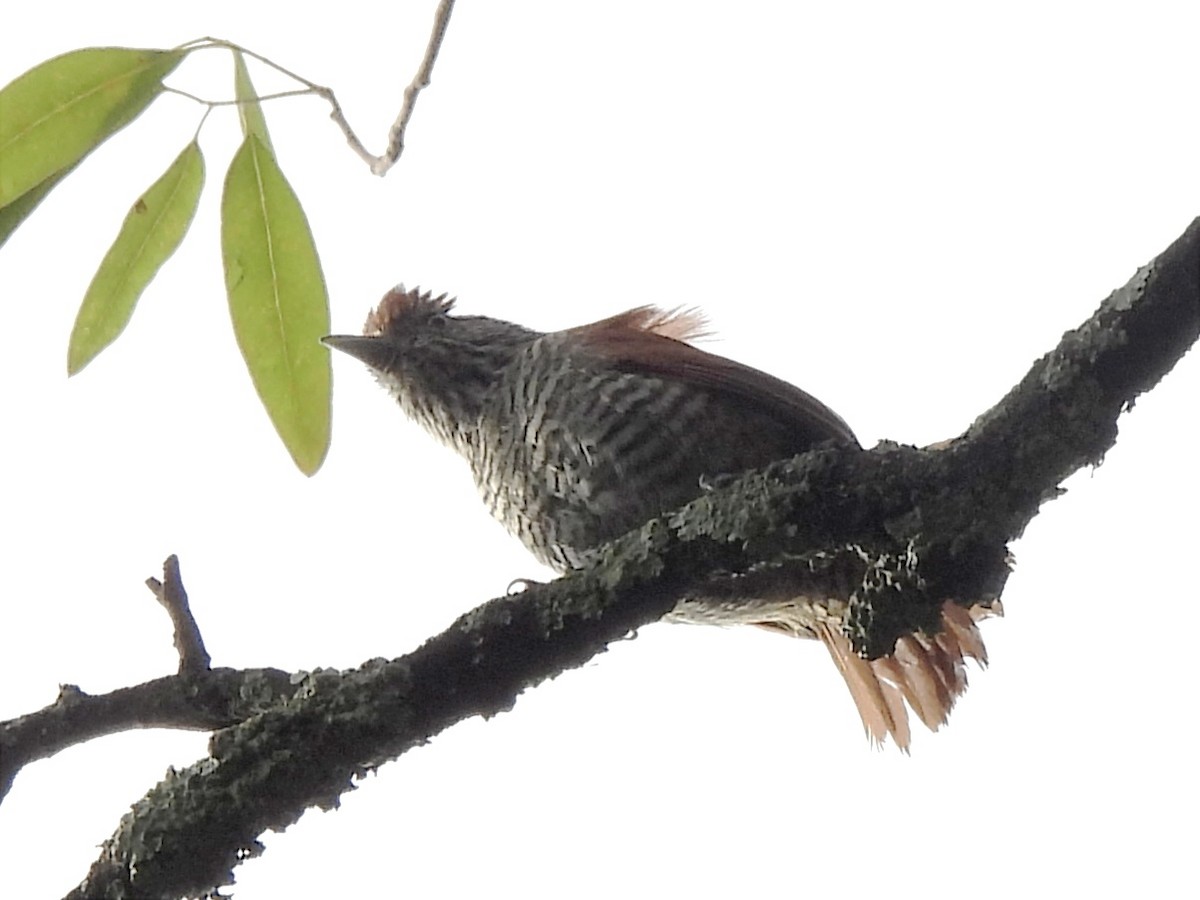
439,367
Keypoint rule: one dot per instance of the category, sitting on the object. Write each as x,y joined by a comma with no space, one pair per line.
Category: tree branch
382,163
204,701
894,531
193,657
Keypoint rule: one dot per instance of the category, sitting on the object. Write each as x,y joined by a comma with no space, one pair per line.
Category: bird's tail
926,673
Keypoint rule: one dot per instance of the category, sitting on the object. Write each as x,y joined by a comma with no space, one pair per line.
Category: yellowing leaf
58,112
277,300
249,109
151,232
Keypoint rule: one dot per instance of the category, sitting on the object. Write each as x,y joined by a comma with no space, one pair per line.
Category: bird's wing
653,341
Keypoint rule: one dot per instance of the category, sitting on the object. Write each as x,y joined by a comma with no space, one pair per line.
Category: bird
575,437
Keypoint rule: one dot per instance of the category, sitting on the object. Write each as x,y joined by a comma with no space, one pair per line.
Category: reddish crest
399,303
679,324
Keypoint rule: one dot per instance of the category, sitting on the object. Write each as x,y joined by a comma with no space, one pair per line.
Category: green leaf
278,301
152,231
249,109
60,111
18,211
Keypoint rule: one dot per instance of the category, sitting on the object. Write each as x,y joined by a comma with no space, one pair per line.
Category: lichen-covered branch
895,531
204,701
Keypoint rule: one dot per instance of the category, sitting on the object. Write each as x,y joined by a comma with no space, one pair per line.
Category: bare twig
278,95
193,657
382,163
420,81
379,164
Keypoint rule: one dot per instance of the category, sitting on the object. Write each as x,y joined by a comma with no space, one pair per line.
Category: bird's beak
368,349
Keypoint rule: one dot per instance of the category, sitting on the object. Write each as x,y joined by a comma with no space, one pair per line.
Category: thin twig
209,43
193,657
382,163
379,164
299,92
420,81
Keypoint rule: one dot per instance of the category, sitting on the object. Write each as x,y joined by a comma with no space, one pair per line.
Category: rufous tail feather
926,673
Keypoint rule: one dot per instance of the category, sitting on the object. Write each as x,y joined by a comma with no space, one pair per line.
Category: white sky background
898,211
